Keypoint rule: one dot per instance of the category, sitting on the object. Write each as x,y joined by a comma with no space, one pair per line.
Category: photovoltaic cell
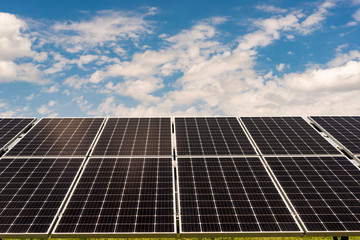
346,130
58,137
325,191
12,127
286,136
121,196
230,195
32,191
135,137
211,136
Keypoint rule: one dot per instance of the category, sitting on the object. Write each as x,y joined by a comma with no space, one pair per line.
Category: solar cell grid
12,127
345,129
230,195
32,191
58,137
135,137
325,191
287,136
121,196
211,136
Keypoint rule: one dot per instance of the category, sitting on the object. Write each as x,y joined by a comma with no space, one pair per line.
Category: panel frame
307,232
64,202
295,155
300,233
340,145
55,234
25,129
62,156
130,156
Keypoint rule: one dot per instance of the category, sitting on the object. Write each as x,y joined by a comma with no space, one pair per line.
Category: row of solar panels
72,177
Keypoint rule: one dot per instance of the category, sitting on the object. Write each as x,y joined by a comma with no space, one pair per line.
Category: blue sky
138,58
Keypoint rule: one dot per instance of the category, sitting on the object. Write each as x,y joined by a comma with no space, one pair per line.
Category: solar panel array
125,196
32,191
320,183
135,137
58,137
286,135
126,186
211,136
221,192
325,191
231,195
345,129
10,128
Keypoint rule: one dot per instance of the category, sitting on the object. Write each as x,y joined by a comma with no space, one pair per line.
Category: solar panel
286,136
325,192
135,137
10,128
232,195
31,193
121,197
211,136
58,137
345,130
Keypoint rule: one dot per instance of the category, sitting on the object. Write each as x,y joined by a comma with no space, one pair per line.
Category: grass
218,238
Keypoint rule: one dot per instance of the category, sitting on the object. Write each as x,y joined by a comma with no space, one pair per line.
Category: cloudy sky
137,58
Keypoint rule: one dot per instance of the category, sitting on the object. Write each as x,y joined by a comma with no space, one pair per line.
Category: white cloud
66,92
82,103
30,97
8,113
75,81
28,72
341,47
280,67
43,109
211,77
61,63
86,59
51,103
52,89
271,28
342,58
270,8
12,43
341,78
313,21
46,111
106,26
215,79
8,110
269,31
139,89
110,107
290,53
356,15
145,69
